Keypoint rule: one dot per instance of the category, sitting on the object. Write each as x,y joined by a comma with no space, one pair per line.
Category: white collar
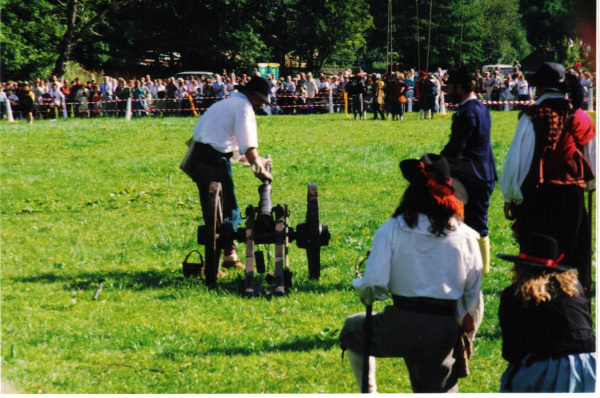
423,225
550,95
471,97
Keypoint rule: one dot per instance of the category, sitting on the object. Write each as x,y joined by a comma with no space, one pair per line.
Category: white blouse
412,262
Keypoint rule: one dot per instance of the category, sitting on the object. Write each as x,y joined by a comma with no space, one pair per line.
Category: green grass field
89,199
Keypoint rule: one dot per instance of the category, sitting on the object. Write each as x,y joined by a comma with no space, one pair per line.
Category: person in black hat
226,130
428,260
356,90
26,101
547,334
469,152
549,165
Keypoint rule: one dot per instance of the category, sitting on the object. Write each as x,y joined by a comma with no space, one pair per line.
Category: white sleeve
472,300
518,161
245,128
374,283
589,152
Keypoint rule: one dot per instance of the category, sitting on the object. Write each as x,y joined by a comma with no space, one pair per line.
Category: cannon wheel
313,250
212,251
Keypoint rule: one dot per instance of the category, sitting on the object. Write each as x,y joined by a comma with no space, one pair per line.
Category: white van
197,75
504,69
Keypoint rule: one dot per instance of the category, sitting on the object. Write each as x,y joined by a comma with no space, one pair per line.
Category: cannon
265,224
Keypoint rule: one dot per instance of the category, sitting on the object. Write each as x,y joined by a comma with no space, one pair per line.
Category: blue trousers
231,209
476,209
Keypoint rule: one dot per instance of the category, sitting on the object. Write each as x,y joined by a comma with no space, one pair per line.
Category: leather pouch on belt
204,173
460,353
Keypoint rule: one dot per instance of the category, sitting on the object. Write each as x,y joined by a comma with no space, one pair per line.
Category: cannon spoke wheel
313,250
212,251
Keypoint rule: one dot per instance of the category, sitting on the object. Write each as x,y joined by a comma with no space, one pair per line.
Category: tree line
39,37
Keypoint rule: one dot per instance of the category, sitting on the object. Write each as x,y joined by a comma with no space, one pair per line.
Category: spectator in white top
586,82
311,86
182,94
107,91
56,94
488,84
229,86
218,87
161,95
523,88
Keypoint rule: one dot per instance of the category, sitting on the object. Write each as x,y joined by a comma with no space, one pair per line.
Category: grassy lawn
89,199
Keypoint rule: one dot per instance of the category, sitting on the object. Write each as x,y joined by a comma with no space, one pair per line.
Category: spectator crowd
386,94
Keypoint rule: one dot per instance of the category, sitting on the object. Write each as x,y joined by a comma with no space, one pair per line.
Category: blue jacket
469,146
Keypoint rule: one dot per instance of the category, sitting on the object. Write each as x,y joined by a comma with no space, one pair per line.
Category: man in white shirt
550,163
226,130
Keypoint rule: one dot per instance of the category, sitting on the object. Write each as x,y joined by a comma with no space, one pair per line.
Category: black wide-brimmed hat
549,75
417,172
259,86
538,250
460,75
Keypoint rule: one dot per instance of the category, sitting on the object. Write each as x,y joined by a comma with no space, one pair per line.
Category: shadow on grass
155,279
299,344
135,280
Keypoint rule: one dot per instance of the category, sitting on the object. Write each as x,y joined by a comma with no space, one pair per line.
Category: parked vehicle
197,75
504,69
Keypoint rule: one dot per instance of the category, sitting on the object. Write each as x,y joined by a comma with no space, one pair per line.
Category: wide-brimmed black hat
259,86
412,170
538,250
549,75
460,75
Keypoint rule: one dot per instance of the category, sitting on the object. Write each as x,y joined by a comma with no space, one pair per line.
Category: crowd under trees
40,37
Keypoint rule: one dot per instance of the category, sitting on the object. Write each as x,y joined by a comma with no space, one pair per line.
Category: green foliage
76,70
216,34
502,46
102,198
29,35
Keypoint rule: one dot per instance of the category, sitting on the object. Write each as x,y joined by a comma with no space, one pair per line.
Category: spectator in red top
577,65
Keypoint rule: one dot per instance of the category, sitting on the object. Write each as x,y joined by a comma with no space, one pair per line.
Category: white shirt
57,95
311,88
182,92
324,85
523,87
415,263
230,88
228,125
49,86
520,154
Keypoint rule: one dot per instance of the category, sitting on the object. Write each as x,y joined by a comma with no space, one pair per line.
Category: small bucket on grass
192,269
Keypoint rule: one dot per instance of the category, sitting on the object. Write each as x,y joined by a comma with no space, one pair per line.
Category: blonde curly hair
532,283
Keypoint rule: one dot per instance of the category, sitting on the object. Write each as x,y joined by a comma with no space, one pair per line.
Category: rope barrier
149,106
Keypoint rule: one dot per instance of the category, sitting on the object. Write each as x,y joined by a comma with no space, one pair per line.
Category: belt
205,153
425,305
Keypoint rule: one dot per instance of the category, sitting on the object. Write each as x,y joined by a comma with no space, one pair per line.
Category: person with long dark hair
547,332
429,261
549,166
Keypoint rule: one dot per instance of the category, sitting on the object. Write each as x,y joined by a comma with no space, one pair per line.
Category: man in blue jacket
469,153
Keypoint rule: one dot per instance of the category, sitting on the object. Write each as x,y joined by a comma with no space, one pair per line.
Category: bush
75,69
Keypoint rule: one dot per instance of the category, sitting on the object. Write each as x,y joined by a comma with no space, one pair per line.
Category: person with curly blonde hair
547,334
